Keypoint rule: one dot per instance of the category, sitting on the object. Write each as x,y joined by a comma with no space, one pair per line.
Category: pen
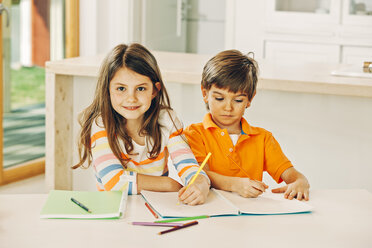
156,224
151,210
80,205
182,219
179,227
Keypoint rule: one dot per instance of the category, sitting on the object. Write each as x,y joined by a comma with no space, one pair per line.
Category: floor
33,185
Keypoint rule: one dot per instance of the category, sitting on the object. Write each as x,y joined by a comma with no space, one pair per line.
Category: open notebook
102,204
224,203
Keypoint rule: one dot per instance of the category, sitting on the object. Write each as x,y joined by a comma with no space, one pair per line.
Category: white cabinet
356,55
318,30
301,52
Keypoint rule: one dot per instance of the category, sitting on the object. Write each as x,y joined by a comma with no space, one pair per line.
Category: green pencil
182,219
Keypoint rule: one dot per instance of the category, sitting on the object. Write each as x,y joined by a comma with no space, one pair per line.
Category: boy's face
227,108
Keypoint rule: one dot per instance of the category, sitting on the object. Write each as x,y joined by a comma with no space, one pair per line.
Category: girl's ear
205,94
156,90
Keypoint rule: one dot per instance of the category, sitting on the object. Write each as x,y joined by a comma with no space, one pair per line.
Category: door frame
37,166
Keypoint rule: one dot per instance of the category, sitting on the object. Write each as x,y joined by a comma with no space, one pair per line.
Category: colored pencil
179,227
246,173
80,205
182,219
151,210
156,224
200,168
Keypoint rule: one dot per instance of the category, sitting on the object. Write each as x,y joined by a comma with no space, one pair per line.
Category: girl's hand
196,193
247,187
298,189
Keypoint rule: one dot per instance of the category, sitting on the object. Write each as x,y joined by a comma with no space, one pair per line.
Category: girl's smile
131,108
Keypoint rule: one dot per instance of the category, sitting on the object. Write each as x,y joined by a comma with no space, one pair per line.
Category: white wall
248,26
103,25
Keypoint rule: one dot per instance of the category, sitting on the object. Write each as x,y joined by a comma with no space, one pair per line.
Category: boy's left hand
196,193
298,189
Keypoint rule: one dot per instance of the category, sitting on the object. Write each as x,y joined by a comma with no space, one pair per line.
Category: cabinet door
356,55
283,16
301,52
357,12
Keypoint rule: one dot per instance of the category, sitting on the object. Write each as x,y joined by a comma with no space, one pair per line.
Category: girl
129,129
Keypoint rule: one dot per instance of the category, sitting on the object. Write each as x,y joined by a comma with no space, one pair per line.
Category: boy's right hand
247,187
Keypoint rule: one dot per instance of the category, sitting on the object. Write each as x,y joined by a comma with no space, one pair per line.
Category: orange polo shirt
255,152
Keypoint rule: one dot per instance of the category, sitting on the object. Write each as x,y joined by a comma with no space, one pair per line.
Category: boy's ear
249,102
155,91
204,93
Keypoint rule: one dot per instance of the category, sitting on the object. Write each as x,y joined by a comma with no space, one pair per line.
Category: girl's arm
109,172
111,175
186,165
156,183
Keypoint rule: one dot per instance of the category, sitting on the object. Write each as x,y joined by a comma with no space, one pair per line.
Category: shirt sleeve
275,160
109,172
182,157
196,143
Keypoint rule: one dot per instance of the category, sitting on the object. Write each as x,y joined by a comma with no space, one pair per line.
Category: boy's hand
247,187
298,189
196,193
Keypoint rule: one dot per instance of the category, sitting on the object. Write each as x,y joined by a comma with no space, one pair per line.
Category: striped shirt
111,175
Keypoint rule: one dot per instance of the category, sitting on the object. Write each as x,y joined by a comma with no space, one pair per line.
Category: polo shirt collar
246,128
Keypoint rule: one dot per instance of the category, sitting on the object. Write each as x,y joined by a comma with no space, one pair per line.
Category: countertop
284,76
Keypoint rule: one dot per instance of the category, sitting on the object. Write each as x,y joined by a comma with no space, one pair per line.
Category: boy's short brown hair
231,70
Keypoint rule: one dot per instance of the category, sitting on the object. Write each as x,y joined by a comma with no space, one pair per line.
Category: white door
164,25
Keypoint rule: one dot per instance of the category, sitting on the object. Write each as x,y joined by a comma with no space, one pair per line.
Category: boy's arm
243,186
297,185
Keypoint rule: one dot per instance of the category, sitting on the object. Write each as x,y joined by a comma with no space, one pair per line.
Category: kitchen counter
187,68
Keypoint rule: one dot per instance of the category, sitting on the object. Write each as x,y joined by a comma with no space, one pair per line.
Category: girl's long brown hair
138,59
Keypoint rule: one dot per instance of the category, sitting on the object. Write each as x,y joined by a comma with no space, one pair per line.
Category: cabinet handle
3,8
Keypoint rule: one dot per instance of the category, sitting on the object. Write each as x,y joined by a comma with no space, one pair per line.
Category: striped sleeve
182,157
109,172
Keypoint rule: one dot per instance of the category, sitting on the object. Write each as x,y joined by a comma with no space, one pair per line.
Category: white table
342,218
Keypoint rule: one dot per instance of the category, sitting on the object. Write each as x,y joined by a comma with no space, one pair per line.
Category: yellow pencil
200,168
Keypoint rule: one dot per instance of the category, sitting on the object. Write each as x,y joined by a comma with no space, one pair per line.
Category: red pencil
151,210
179,227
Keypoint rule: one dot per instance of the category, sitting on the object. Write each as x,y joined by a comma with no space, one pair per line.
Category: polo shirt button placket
231,150
222,133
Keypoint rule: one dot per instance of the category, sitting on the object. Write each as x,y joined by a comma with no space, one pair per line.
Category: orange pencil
151,210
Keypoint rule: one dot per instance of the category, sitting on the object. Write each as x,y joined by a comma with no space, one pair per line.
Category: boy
240,152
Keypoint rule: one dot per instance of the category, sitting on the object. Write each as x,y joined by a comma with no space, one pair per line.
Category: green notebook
102,204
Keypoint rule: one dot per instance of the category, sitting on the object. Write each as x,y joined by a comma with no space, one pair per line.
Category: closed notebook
102,204
221,203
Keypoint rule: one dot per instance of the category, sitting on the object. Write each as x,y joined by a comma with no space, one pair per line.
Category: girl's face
227,108
131,94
